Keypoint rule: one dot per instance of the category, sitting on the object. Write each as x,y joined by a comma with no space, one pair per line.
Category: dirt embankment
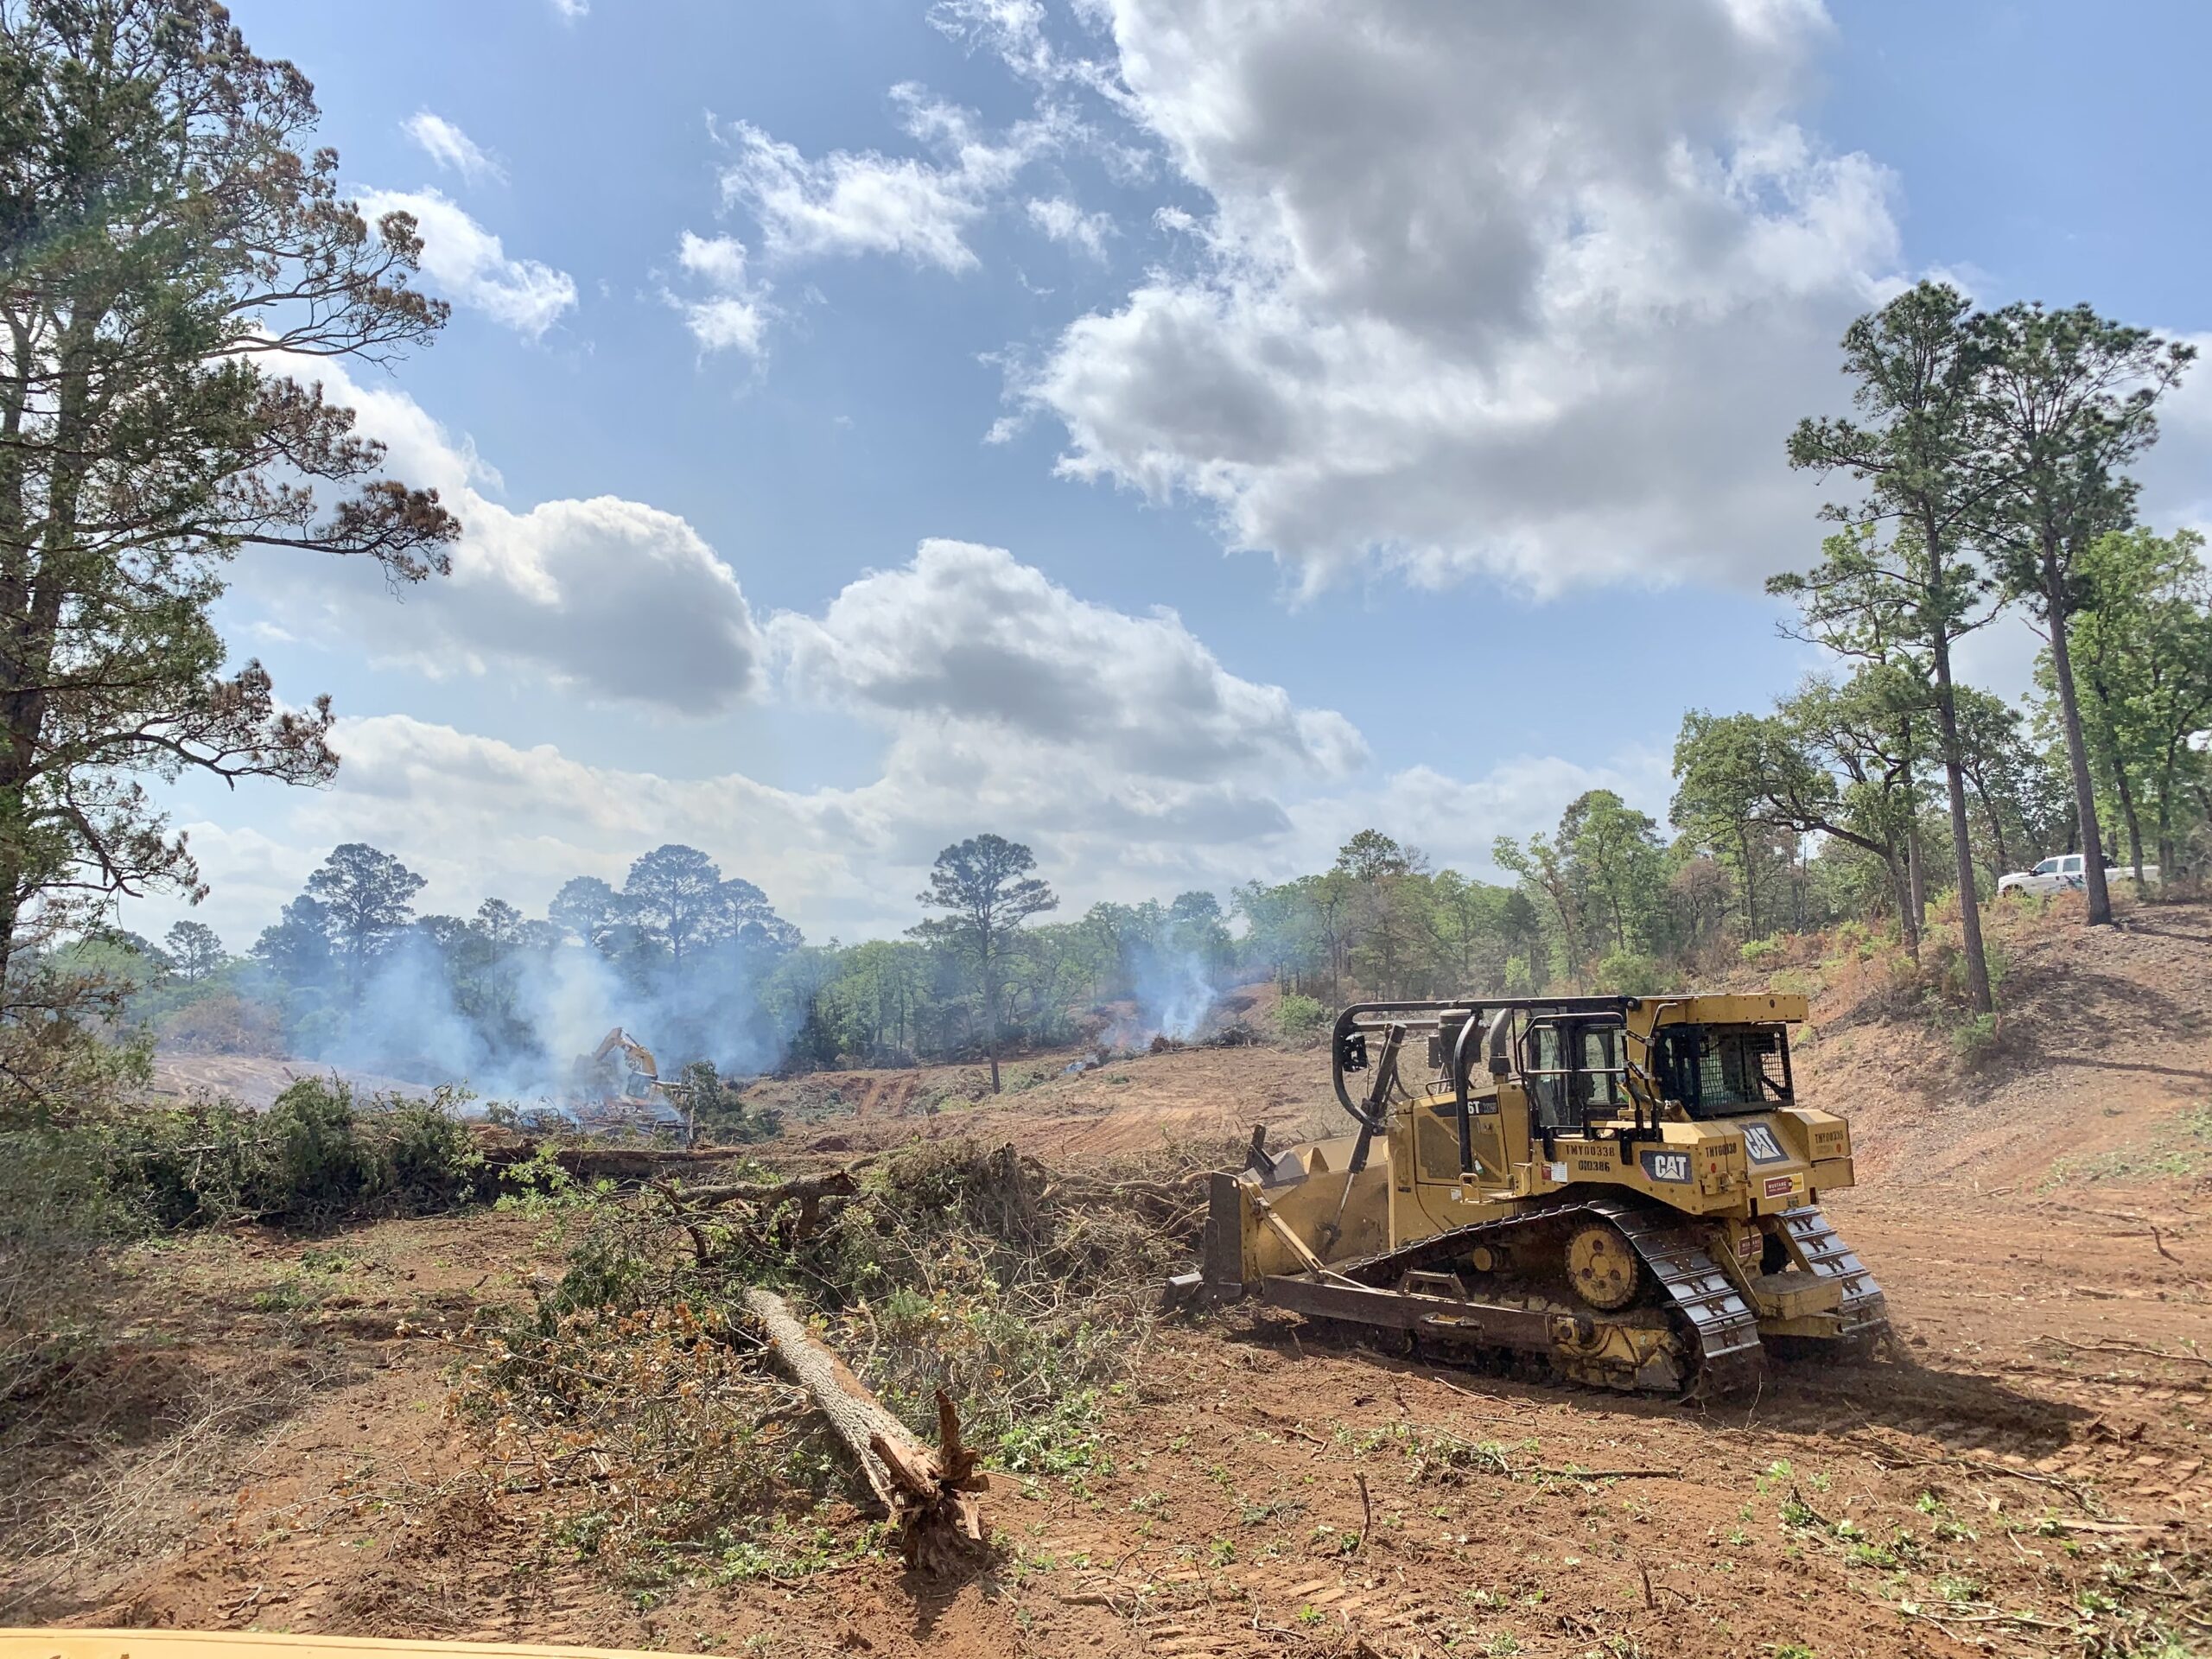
255,1081
2042,1226
2103,1047
1128,1104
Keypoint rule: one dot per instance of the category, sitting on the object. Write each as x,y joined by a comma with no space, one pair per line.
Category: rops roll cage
1490,1019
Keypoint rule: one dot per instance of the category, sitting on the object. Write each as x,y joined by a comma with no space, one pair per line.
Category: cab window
2049,866
1601,1062
1717,1072
1547,1088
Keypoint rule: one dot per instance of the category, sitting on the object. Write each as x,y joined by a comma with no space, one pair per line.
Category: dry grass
109,1466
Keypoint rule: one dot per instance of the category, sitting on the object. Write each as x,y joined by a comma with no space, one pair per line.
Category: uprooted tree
173,262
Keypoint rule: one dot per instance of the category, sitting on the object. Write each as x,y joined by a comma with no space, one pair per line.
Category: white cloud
856,202
481,817
734,313
465,262
449,147
1063,221
1119,746
619,600
966,637
2176,473
1531,292
569,11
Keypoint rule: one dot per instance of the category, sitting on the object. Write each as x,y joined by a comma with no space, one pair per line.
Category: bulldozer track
1865,1314
1730,1358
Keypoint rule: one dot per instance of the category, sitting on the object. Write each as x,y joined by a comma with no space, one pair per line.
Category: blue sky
1431,366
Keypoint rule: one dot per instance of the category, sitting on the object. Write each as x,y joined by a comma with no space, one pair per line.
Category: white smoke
539,1012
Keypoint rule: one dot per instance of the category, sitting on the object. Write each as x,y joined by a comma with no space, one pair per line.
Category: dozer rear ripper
1624,1189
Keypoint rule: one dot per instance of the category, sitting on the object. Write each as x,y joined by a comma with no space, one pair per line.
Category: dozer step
1794,1294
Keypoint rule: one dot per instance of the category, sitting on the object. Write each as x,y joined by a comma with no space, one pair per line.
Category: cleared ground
2041,1227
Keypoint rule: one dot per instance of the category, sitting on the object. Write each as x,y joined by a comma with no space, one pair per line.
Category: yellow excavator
619,1086
1621,1190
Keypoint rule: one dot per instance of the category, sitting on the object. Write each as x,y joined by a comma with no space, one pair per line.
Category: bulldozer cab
1611,1067
1581,1069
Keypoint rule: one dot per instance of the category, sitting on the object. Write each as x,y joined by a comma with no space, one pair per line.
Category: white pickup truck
2063,875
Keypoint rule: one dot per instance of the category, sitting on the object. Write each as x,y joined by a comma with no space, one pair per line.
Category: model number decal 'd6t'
1666,1166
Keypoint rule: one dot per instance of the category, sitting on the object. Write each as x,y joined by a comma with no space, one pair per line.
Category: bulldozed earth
351,1432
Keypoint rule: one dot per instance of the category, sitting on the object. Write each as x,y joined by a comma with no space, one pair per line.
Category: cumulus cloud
467,264
449,147
1118,745
619,600
733,312
1063,221
1530,292
2175,473
569,11
969,636
856,202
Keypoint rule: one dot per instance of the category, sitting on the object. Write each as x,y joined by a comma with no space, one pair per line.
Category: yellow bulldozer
1622,1190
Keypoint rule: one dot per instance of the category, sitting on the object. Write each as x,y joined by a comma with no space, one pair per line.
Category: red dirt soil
2040,1227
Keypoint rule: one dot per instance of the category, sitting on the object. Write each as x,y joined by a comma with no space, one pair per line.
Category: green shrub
1024,1294
1796,982
315,1155
1631,973
194,1167
55,1279
720,1111
1300,1016
430,1160
1975,1041
1755,951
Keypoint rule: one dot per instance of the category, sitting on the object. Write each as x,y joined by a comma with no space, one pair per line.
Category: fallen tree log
929,1493
502,1148
808,1190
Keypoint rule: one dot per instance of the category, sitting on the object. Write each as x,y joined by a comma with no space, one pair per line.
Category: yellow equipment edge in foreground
205,1644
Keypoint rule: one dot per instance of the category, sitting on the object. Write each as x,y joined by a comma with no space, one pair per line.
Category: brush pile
674,1404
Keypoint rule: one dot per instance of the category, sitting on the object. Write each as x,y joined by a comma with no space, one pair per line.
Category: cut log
768,1197
808,1190
929,1493
502,1148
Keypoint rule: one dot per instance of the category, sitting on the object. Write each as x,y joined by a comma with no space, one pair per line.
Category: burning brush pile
729,1377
